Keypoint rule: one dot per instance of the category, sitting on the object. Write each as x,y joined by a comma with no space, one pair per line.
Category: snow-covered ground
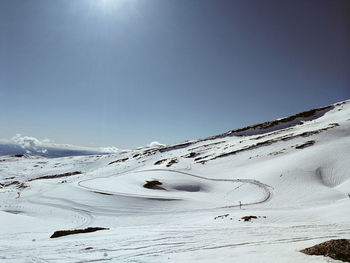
293,174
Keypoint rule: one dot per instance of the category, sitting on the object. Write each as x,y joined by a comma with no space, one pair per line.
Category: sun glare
106,2
113,4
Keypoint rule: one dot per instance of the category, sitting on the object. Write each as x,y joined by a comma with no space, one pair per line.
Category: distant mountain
50,152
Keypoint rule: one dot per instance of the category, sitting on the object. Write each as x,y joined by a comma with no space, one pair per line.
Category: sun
106,2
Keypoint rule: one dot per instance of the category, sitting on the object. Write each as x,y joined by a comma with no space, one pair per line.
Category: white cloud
109,149
28,143
156,144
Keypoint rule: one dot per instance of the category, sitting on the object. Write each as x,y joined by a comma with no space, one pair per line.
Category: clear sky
128,72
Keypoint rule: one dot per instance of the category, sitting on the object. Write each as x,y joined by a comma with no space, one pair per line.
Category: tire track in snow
266,188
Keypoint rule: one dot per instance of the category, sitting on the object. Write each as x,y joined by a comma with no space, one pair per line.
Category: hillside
185,202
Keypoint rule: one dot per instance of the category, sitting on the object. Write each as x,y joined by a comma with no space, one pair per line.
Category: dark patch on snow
119,161
62,233
18,155
188,188
13,211
248,218
55,176
102,193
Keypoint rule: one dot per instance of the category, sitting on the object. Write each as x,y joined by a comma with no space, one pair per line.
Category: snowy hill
185,202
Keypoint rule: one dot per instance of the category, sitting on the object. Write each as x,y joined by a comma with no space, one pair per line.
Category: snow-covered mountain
187,202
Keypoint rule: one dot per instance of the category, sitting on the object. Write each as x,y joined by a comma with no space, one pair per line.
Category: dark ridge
171,162
303,116
18,155
119,161
304,145
266,127
338,249
201,158
159,162
271,133
62,233
268,142
102,193
18,184
190,155
206,145
176,147
55,176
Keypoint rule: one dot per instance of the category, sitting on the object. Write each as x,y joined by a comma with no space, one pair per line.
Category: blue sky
128,72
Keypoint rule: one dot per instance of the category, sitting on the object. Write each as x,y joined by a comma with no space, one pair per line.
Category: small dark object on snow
62,233
338,249
154,184
248,218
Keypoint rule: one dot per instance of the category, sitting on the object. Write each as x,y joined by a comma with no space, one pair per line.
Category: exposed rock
159,162
222,216
304,145
62,233
154,184
55,176
190,155
119,161
248,218
173,161
338,249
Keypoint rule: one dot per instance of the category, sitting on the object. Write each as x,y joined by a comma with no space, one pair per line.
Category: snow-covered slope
292,173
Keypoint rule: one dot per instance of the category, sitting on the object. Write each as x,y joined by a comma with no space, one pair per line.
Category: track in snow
266,188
